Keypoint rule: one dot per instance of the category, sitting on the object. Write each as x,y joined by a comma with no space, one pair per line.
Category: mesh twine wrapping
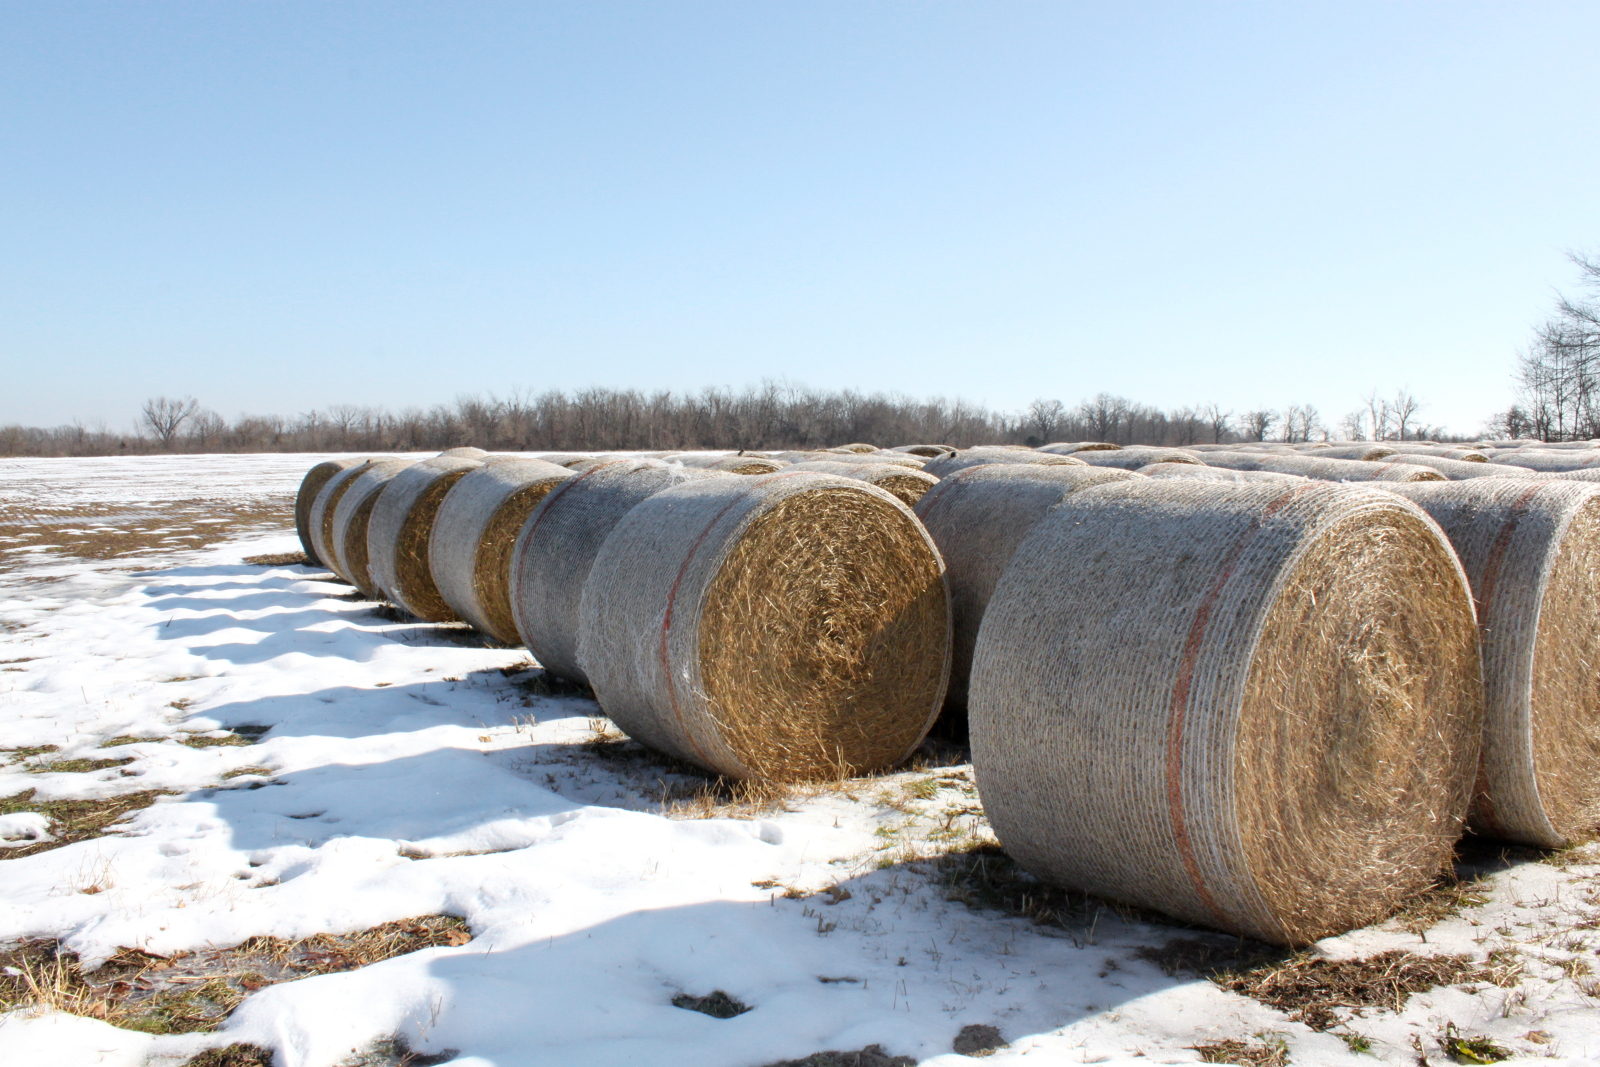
945,466
1200,473
350,520
1328,470
1367,451
723,461
320,521
474,532
857,446
1069,448
1532,552
1571,476
1459,470
310,486
903,459
557,545
464,452
906,484
788,626
977,517
1136,456
1547,461
1256,707
400,529
927,451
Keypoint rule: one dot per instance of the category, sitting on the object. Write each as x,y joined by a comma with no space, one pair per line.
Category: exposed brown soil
279,559
871,1056
106,531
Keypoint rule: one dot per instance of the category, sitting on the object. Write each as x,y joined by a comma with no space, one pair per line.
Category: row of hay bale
1250,693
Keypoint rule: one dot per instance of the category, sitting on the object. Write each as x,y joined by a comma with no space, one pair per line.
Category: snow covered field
307,765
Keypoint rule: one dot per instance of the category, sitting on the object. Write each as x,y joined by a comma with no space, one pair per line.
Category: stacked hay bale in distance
730,462
320,520
1459,470
977,517
1531,549
783,627
310,486
1072,448
557,545
1328,470
906,483
945,466
1200,473
464,452
1136,456
400,532
350,520
469,554
1256,707
1548,461
928,451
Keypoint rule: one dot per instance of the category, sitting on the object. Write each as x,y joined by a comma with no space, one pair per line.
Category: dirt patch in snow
108,531
74,820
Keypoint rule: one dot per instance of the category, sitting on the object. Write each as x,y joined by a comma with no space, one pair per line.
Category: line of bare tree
1558,374
769,416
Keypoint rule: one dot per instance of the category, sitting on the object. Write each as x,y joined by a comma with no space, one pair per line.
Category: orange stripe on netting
672,599
1178,711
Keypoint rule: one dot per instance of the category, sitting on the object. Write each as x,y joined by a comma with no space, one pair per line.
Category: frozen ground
409,770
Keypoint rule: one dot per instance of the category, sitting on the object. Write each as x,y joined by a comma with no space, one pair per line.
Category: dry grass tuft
75,820
279,559
1272,1052
1471,1049
193,992
718,1004
236,1055
871,1056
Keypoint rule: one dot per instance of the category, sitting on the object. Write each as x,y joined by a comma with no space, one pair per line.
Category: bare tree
206,428
1217,420
1354,426
166,417
1044,416
1257,424
1403,411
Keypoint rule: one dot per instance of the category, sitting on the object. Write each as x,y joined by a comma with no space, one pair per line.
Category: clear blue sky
279,206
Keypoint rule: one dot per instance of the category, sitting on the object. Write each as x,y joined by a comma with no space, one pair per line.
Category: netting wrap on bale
474,532
1328,470
1135,456
977,517
1547,461
1199,473
1256,707
464,452
350,520
787,626
310,486
1459,470
945,466
1367,451
557,545
905,483
1532,552
1071,448
401,529
320,520
928,451
730,462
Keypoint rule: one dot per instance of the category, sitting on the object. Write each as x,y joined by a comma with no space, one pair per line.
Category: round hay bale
350,520
732,463
1532,553
906,484
945,466
1068,448
320,521
977,517
1135,456
399,532
1256,707
858,446
928,451
1586,475
1367,451
783,627
1199,473
1458,470
1547,461
1328,470
469,554
310,486
464,452
557,545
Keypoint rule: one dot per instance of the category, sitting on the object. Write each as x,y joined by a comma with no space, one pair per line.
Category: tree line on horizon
765,417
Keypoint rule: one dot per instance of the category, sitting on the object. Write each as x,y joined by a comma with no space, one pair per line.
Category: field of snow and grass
262,813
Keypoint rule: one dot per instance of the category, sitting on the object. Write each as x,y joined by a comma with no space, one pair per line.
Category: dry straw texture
310,486
1196,472
1256,707
1548,461
464,452
723,461
350,519
320,521
1069,448
469,554
1329,470
978,517
906,484
1135,456
945,466
928,451
1532,552
557,545
858,446
399,532
782,627
1459,470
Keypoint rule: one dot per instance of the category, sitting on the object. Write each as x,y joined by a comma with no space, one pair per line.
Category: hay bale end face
1256,707
310,486
977,517
1532,552
906,484
350,520
469,554
320,521
783,627
945,466
401,529
558,543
